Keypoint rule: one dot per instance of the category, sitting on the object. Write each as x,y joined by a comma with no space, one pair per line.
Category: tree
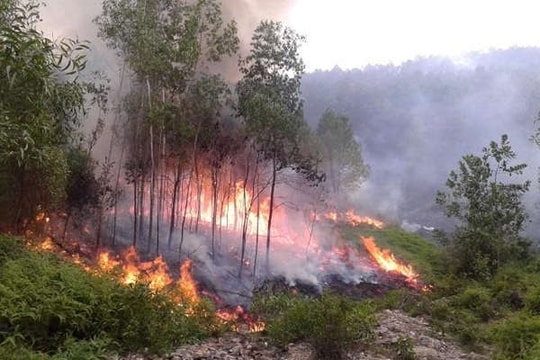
269,102
42,100
490,209
343,163
175,101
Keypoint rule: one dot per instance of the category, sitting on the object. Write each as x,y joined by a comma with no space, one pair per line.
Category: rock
392,326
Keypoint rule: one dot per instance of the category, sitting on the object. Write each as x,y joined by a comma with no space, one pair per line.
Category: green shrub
517,337
509,286
477,300
329,323
532,301
10,248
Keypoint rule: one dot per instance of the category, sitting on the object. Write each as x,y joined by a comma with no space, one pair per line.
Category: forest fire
388,262
295,235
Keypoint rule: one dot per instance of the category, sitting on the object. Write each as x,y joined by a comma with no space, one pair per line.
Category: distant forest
415,120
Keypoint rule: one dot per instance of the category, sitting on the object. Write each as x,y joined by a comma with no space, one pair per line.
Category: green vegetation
484,198
329,323
39,113
51,309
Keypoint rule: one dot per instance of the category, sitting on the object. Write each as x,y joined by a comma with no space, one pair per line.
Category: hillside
417,119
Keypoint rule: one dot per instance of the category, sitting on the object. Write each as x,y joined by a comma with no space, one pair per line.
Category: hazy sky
354,33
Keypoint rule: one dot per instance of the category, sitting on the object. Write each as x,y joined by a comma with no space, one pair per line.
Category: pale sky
354,33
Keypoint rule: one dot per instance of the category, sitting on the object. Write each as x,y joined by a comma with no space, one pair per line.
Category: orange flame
350,217
47,244
187,284
159,276
355,219
105,262
388,262
130,267
240,315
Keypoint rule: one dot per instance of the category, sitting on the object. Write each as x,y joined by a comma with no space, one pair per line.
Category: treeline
188,147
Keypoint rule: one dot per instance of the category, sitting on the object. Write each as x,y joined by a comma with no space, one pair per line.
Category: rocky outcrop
392,327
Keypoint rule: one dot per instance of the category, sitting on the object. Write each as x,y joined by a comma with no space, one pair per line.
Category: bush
10,248
52,307
477,300
517,338
329,323
532,301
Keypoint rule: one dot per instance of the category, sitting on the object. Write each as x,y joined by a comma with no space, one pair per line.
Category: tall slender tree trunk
135,213
116,191
152,171
68,217
245,220
141,209
120,161
184,215
256,255
271,211
99,225
176,189
215,174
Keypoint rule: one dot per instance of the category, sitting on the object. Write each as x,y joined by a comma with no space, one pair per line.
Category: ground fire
128,268
388,262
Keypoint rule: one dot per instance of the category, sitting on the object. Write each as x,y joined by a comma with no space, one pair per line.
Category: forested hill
417,119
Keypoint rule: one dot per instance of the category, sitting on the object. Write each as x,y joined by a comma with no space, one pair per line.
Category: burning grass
128,269
406,248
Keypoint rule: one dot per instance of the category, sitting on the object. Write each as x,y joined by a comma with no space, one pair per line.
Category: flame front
388,262
186,284
355,219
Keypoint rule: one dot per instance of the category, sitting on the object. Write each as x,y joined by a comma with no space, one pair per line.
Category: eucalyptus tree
41,104
270,104
169,46
343,163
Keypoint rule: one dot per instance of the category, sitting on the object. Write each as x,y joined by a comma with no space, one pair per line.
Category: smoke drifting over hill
415,121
